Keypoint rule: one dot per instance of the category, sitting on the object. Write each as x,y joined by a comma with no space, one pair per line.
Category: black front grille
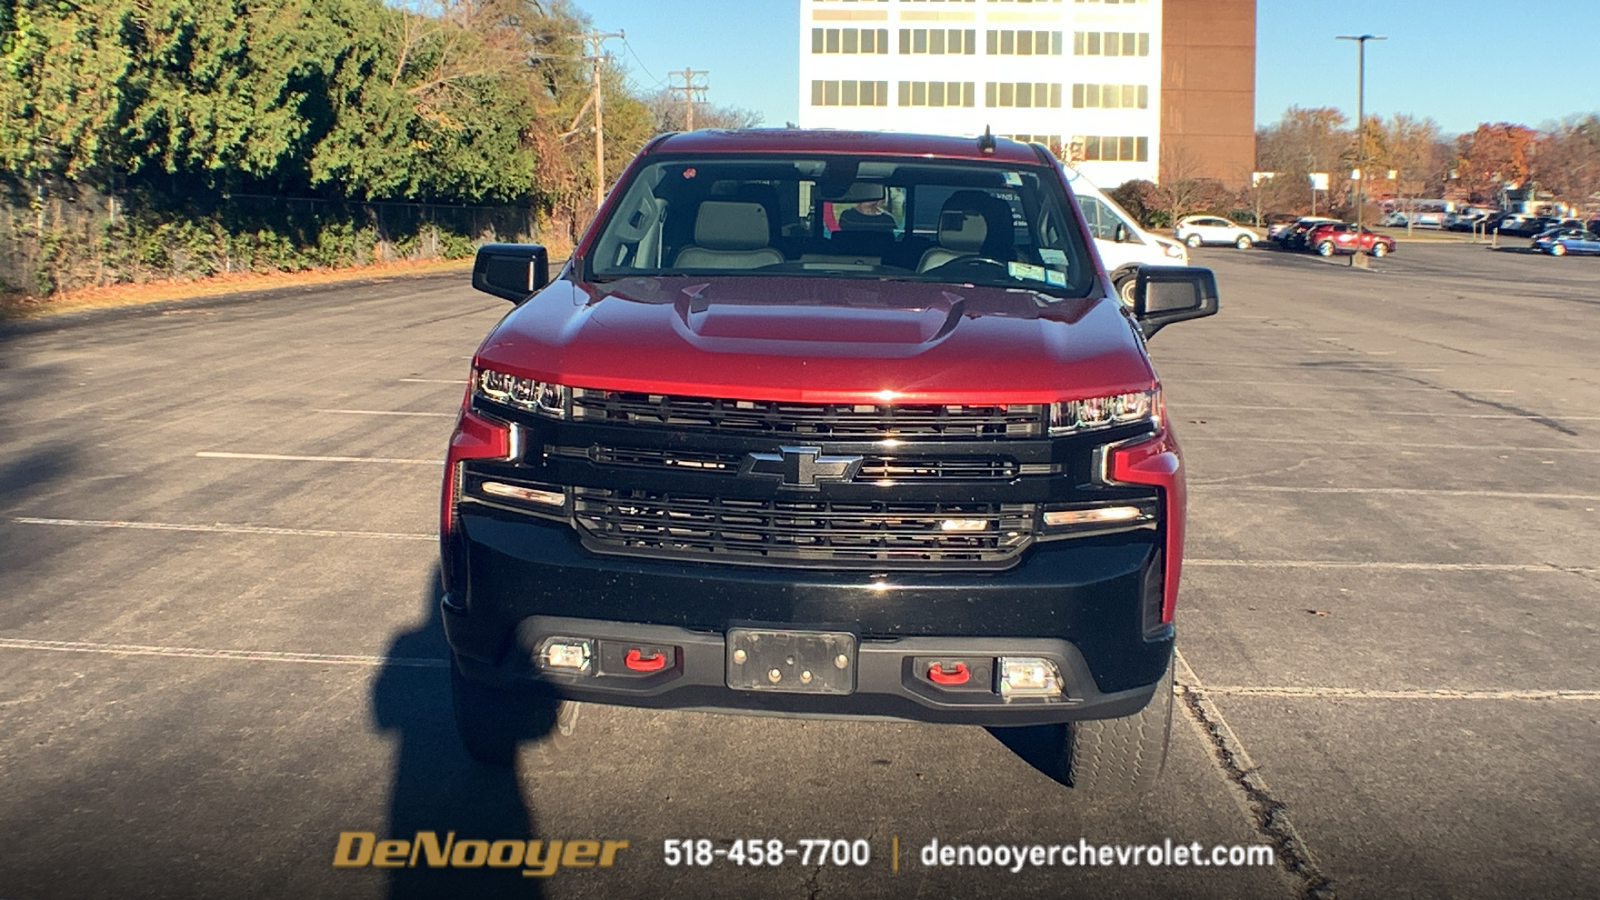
830,419
897,469
857,534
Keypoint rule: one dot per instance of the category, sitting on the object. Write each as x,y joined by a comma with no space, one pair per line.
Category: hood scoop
856,316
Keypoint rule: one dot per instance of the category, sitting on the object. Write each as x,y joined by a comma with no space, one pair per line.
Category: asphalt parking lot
216,537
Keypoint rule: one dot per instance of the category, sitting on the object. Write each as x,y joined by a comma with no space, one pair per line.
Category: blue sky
1437,61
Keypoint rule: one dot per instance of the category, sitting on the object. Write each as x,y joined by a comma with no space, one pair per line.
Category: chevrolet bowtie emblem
801,467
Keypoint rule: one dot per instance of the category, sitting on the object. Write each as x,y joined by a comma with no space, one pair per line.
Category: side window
1101,220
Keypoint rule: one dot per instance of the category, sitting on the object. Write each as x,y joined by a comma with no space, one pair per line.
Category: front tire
1325,248
492,722
1380,250
1558,249
1120,756
1124,286
1243,243
1193,241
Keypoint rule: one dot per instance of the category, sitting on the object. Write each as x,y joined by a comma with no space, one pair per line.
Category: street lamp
1361,116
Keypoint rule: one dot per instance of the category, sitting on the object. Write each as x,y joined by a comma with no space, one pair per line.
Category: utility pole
689,87
1360,258
597,59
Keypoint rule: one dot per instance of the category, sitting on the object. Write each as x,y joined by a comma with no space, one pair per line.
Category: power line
689,88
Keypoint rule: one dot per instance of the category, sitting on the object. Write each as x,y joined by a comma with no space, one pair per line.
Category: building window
1053,141
938,40
1006,93
1024,43
1110,96
849,40
849,93
1116,149
937,93
1111,43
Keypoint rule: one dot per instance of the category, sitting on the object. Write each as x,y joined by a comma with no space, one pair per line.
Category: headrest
962,230
731,225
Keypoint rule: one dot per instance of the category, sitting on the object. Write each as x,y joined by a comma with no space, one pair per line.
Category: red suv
1342,237
828,424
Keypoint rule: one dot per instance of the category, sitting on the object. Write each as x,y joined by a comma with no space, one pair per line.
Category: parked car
1561,241
1521,225
734,458
1342,237
1124,246
1294,238
1278,223
1198,230
1394,220
1593,225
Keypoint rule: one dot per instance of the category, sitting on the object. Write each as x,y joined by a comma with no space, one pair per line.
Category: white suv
1197,230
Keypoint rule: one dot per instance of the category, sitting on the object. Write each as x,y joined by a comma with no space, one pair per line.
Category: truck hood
820,340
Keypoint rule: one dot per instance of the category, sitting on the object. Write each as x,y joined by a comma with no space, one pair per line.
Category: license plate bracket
791,661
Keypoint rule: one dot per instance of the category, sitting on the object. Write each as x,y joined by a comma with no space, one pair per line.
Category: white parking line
1420,694
1384,566
1194,437
287,457
1409,492
1367,413
386,412
320,659
221,528
1312,384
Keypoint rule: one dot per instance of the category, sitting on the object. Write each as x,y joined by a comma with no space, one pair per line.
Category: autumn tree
1494,156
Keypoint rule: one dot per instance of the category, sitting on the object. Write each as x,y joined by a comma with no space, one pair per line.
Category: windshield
954,222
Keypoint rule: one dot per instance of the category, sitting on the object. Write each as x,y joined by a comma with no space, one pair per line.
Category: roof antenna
986,141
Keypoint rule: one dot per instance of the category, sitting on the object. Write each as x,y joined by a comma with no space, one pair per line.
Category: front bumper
1081,603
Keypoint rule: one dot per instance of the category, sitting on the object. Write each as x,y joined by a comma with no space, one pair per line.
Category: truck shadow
437,787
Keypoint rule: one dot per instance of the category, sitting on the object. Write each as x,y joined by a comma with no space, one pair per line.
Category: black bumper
1079,603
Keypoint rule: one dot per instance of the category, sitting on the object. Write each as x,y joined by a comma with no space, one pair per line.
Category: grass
120,295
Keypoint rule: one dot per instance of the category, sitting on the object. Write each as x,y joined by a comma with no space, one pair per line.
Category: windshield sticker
1053,277
1014,179
1028,271
1052,256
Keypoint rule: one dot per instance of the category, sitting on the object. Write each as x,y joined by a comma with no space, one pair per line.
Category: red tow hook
640,663
957,674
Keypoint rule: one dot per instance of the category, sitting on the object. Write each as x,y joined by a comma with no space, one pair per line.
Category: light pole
1361,124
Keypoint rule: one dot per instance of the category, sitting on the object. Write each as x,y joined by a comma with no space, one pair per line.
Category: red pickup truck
745,453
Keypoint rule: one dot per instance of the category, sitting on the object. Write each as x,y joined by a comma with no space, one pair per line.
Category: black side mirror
511,271
1166,294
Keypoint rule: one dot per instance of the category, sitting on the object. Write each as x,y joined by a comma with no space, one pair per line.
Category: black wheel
1558,249
1325,248
1243,243
1380,250
1124,285
1119,756
1193,241
492,722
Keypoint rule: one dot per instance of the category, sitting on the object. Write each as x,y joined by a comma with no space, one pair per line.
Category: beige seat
730,234
971,223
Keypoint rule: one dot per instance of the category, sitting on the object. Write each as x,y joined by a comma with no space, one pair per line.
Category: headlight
1074,416
542,397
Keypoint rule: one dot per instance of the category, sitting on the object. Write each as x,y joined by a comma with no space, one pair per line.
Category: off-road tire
493,722
1120,756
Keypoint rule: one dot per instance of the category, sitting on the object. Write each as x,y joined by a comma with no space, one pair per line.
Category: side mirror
1166,294
511,271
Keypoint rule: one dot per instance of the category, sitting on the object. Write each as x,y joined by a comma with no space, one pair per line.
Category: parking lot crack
1268,815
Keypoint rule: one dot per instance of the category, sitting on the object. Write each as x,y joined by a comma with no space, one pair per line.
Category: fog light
1029,676
566,653
529,495
964,525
